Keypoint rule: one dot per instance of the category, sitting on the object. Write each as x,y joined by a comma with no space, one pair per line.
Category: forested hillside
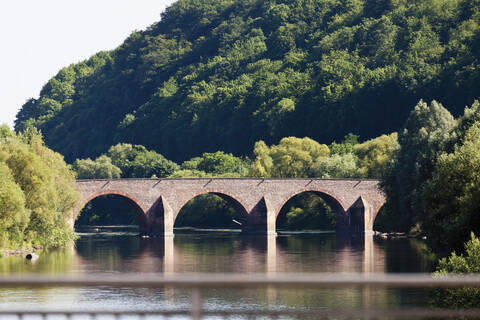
222,74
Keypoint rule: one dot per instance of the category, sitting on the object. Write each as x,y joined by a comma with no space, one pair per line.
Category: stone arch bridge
157,202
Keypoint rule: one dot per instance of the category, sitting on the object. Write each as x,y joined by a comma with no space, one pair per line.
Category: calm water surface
116,251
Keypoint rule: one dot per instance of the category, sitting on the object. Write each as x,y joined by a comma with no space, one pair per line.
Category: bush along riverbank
466,263
37,194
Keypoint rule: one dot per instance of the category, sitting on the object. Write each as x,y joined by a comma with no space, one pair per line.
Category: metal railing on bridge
196,283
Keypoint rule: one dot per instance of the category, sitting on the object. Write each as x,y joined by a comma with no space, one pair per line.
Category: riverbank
19,252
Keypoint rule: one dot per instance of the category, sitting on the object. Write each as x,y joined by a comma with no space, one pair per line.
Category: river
116,250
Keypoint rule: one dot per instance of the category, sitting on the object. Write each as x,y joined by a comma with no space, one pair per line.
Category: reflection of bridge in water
250,254
270,255
157,202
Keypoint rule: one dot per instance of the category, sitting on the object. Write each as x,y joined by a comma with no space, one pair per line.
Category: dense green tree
453,194
219,163
426,135
373,155
291,158
123,154
126,161
470,116
191,164
336,166
137,162
38,192
346,146
150,164
189,173
6,134
14,216
68,195
101,168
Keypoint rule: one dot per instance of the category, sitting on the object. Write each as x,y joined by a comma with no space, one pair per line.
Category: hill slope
222,74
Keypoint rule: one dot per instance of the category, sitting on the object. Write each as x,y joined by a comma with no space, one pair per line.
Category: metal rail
198,282
232,178
415,313
218,281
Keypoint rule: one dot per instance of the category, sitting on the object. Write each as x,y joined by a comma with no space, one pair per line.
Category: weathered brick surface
161,200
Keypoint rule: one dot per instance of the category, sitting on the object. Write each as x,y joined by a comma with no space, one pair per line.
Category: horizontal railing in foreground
198,282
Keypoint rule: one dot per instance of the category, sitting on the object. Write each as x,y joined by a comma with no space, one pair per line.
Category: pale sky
38,38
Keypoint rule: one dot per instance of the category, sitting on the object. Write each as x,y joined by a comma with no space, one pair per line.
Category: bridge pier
261,220
160,219
360,216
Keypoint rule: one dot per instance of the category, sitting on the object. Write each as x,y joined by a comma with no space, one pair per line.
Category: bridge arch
139,211
330,199
375,214
231,199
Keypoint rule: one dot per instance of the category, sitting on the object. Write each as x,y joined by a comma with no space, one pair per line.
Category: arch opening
386,221
310,210
111,209
211,210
